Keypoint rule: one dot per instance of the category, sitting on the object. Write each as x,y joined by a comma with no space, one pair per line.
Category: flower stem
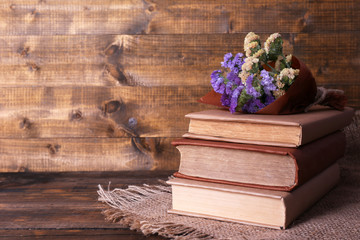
287,64
273,69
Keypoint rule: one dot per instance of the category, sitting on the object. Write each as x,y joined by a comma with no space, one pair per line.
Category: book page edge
178,212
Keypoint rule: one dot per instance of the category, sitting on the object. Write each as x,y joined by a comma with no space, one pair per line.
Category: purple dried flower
269,99
237,81
219,86
214,76
238,60
228,88
233,77
267,82
253,105
234,98
217,82
227,60
249,87
225,100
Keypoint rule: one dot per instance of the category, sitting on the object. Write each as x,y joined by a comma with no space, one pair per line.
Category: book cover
275,130
269,167
275,209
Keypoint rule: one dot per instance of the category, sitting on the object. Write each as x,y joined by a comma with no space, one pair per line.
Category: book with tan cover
274,130
270,167
275,209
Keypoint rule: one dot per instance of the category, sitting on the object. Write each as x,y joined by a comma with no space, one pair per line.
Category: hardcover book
275,209
270,167
274,130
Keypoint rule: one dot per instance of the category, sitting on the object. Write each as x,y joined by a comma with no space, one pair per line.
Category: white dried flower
278,93
289,72
279,83
243,75
259,53
288,58
270,40
250,37
250,46
247,66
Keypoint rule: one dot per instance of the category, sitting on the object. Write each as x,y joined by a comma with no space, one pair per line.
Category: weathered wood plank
259,15
21,17
153,60
79,182
75,234
112,60
87,154
54,60
45,112
330,61
63,205
53,218
332,58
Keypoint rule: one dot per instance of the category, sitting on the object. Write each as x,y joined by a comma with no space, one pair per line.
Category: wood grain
20,17
153,60
45,112
112,60
50,17
63,205
75,234
89,128
160,60
87,154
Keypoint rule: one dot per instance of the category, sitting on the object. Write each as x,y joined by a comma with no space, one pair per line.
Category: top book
274,130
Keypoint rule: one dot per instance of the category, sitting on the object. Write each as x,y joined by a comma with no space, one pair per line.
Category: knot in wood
22,169
148,146
111,106
53,148
31,16
76,115
25,124
111,50
151,8
24,51
33,67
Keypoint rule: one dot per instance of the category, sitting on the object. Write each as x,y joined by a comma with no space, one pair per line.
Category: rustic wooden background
104,85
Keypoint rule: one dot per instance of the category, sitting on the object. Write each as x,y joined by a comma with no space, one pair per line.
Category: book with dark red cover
308,161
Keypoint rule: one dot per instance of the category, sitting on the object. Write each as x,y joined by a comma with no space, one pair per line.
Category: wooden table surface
63,205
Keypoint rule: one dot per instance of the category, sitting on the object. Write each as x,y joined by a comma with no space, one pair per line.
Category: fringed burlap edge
119,200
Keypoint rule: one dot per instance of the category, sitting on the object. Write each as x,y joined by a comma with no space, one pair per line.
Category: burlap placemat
336,216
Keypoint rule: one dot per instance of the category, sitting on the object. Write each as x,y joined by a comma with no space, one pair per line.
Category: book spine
240,184
316,156
301,199
317,129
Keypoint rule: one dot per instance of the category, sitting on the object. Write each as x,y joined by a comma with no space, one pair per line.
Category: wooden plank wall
104,85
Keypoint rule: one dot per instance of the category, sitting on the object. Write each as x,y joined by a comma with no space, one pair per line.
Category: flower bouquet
265,81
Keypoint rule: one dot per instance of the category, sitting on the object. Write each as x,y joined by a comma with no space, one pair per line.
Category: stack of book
258,169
